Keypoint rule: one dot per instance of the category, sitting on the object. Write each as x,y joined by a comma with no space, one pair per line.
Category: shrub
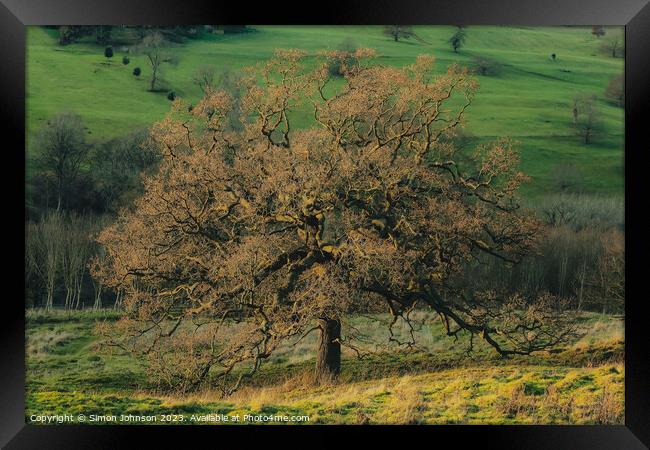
108,52
137,71
125,60
171,96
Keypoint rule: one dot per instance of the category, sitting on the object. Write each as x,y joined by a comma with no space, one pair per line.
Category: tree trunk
328,359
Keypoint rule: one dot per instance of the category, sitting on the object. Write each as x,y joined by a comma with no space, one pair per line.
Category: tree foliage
373,209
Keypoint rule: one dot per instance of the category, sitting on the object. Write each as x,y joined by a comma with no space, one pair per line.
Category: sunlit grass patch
582,383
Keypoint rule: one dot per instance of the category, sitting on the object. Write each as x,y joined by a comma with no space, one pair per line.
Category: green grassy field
528,101
69,373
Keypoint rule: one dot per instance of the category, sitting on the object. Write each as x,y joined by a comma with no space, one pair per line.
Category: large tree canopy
274,230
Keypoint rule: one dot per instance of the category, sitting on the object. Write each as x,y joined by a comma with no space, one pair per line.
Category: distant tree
553,56
586,117
108,53
62,148
345,58
398,32
137,71
125,60
152,46
598,30
613,46
204,78
457,40
615,91
486,66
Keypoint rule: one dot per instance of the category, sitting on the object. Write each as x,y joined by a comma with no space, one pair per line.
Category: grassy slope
529,101
581,384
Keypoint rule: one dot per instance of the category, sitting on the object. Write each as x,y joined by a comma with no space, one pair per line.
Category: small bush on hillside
137,71
125,60
171,96
338,66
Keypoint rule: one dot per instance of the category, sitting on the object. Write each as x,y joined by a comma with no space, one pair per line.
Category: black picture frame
15,15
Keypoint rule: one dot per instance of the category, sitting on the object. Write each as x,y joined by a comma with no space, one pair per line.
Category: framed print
326,220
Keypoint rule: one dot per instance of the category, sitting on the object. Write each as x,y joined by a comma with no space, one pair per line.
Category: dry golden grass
499,395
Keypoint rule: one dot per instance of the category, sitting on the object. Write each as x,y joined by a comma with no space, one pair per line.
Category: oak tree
222,260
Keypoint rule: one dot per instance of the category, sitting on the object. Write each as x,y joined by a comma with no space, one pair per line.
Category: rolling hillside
528,100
